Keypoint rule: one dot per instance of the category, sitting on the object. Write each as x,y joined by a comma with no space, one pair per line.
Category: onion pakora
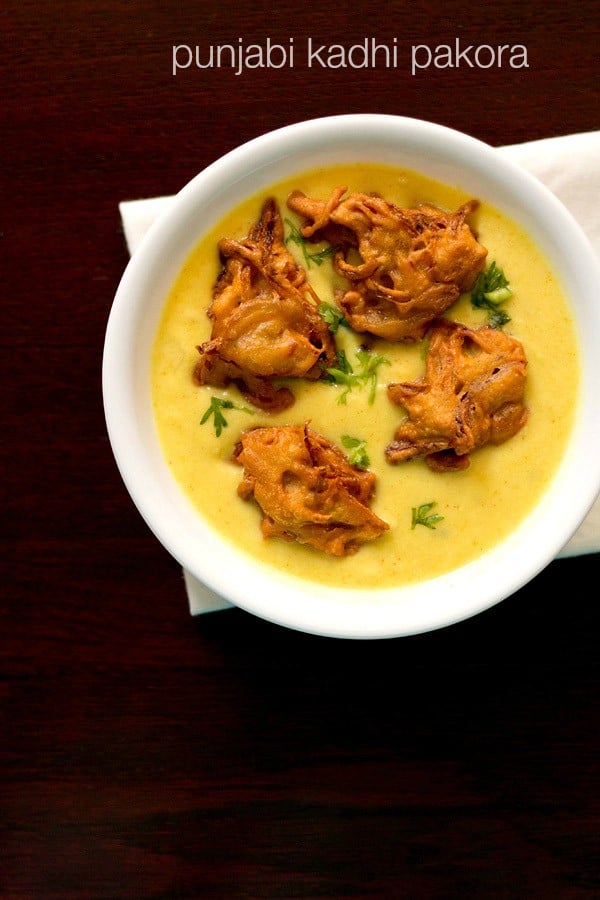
405,266
265,319
472,394
307,490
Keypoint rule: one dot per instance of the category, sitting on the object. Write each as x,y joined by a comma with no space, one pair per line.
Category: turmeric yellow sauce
479,506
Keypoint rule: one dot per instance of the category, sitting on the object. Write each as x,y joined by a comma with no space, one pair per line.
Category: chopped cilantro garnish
344,373
214,409
490,290
421,515
316,257
357,451
332,316
498,317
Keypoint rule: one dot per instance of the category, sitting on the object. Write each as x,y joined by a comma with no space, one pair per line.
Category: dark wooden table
149,754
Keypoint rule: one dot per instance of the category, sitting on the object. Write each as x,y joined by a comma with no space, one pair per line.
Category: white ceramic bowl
442,154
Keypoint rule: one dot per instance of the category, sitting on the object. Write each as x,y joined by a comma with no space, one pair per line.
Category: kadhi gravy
479,506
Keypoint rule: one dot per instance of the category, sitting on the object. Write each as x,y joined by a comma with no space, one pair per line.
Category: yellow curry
438,520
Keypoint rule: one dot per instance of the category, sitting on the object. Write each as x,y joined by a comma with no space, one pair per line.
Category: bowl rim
331,611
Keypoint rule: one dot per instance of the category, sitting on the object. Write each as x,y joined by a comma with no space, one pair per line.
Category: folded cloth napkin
569,166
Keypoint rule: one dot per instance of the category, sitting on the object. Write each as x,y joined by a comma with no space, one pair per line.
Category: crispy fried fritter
412,263
472,395
307,490
265,319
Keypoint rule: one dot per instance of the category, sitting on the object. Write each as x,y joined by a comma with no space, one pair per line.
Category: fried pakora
307,490
472,394
405,266
265,319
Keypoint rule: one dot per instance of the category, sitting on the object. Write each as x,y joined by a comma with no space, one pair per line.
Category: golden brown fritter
307,490
405,266
265,319
472,395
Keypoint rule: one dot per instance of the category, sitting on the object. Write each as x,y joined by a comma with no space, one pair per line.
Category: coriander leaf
344,373
491,286
357,455
341,374
343,363
421,516
214,409
370,362
317,256
332,316
498,317
490,290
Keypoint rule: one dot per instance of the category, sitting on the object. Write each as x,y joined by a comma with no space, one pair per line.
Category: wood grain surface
149,754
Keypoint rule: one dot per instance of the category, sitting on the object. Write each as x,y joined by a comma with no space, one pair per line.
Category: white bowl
442,154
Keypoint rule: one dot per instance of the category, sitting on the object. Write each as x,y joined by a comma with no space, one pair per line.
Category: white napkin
569,166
